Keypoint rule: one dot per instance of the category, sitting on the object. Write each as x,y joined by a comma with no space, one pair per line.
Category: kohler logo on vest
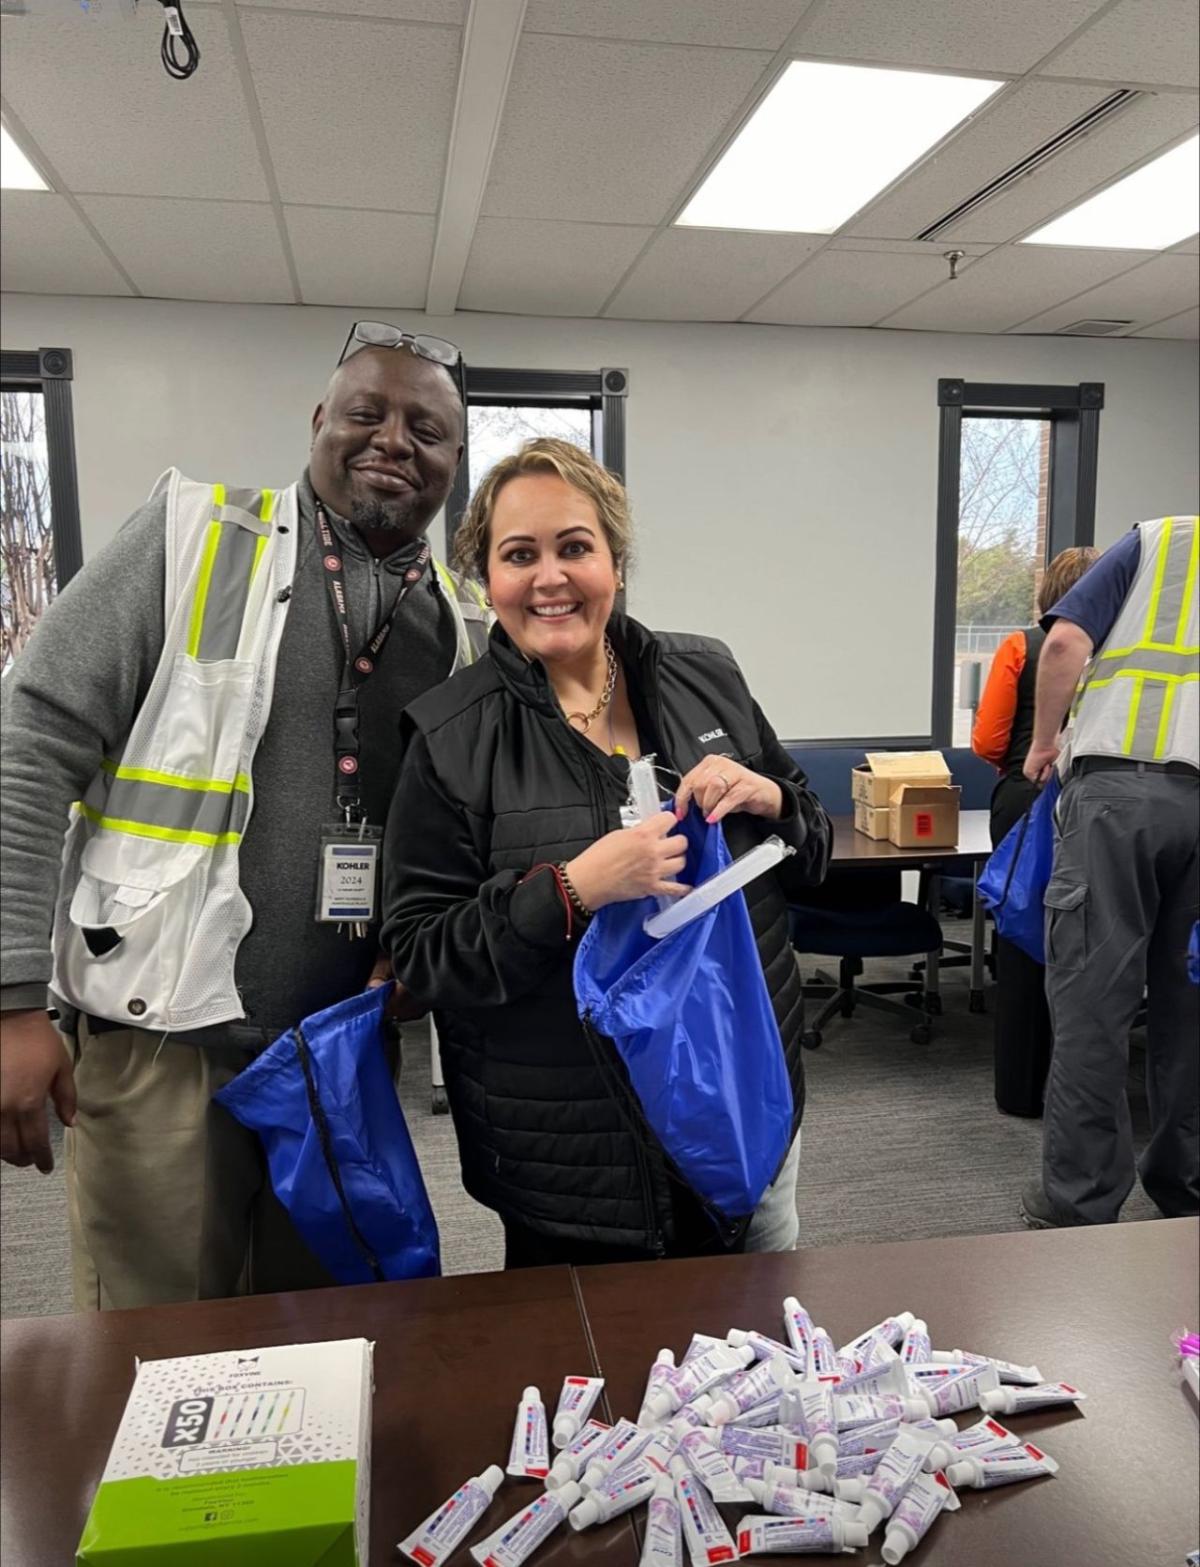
712,734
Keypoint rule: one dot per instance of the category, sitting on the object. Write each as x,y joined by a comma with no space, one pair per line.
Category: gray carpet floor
901,1142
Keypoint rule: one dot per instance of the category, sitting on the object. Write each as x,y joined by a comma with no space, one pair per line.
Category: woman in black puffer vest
505,835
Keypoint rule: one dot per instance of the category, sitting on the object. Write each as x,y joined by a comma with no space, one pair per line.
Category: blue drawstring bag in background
342,1163
691,1019
1013,882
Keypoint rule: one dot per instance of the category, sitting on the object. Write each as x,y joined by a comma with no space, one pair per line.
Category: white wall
783,478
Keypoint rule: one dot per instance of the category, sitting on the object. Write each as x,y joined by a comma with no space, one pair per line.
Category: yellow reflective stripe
1160,743
1189,589
172,781
446,579
1131,727
265,512
1160,571
1140,674
258,549
1152,647
211,540
208,840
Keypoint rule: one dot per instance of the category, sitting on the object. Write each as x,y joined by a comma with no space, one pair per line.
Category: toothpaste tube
950,1388
926,1497
445,1530
808,1406
767,1348
852,1410
798,1326
819,1534
1002,1467
764,1414
891,1330
746,1389
1016,1400
875,1438
751,1449
575,1458
696,1376
1027,1376
695,1414
822,1358
708,1540
899,1467
529,1456
664,1364
629,1485
915,1350
700,1345
517,1539
575,1403
713,1467
875,1354
985,1436
625,1442
787,1501
663,1545
890,1378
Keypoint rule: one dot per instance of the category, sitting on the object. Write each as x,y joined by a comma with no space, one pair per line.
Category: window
1016,484
508,407
39,508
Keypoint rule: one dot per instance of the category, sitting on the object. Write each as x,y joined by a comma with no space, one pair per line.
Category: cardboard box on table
247,1458
906,796
924,816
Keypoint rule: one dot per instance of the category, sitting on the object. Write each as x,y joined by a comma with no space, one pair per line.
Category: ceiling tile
850,288
1162,287
452,11
94,96
388,154
998,137
1185,326
611,132
361,258
1010,285
48,250
1133,134
975,35
220,250
750,24
708,274
546,269
1141,41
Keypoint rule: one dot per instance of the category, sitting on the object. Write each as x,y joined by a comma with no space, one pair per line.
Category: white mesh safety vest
1140,694
150,914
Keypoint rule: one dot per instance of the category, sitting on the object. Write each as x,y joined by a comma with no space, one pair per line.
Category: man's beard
379,516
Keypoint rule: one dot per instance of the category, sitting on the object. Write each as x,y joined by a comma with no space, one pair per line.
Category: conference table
1095,1307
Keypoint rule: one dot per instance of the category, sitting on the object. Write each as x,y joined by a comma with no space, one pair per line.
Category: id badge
348,874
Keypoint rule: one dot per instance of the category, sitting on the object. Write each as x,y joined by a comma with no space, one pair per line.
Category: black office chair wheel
975,1002
441,1105
812,1039
921,1035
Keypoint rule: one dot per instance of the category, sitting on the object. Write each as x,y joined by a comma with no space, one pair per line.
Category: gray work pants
1119,911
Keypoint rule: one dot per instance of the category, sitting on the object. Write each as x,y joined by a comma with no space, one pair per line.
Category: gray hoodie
71,697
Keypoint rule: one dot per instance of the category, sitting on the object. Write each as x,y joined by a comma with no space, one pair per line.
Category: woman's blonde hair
1063,572
571,463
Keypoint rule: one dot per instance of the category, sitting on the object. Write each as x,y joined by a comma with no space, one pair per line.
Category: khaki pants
776,1223
169,1196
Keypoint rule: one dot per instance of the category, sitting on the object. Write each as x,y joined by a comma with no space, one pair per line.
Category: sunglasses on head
438,350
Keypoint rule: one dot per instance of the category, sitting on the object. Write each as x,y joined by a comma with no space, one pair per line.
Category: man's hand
403,1007
1039,762
33,1063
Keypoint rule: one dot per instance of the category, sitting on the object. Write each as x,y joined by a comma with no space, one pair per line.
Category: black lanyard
360,666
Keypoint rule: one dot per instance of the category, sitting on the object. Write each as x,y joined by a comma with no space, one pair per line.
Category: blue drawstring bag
1013,882
692,1022
1194,954
322,1100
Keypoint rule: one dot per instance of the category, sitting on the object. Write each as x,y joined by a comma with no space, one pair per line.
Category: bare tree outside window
1004,470
498,430
28,579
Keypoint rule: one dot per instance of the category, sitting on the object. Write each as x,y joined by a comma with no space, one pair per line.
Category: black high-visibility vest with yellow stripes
150,914
1140,695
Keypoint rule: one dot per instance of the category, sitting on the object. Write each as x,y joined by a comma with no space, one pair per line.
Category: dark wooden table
1095,1307
852,848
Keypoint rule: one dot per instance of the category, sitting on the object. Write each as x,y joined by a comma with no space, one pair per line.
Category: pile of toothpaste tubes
823,1445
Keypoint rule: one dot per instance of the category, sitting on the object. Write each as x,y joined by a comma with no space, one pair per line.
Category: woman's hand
631,862
720,785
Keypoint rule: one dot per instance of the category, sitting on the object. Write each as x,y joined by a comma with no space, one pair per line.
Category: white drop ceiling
530,156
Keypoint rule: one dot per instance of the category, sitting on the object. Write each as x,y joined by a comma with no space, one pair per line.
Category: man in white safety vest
1124,896
206,711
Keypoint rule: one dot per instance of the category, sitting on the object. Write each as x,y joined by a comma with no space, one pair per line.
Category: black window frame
50,372
1074,415
602,391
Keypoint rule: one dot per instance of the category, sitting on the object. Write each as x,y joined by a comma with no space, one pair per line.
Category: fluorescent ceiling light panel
16,171
824,141
1154,207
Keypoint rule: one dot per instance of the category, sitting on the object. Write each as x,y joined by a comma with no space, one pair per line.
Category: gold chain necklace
582,722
